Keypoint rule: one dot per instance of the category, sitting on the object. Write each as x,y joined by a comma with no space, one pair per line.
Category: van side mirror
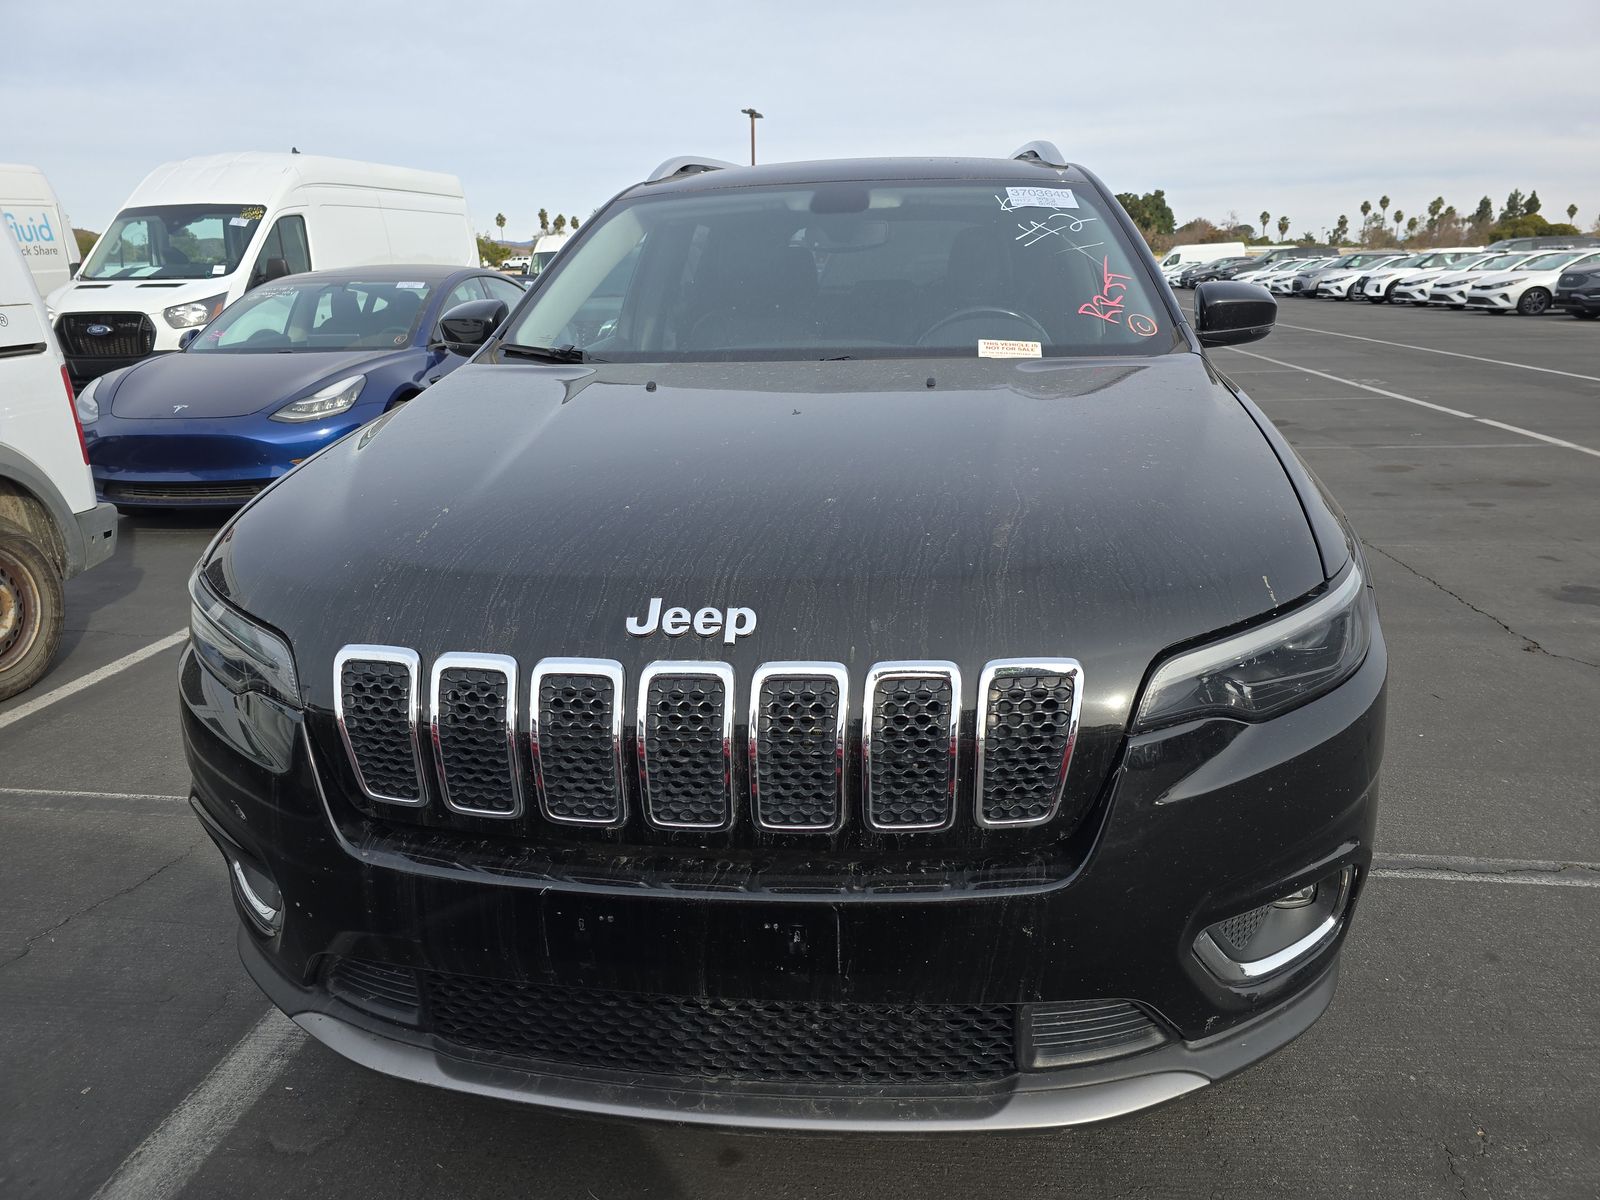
1228,312
187,336
468,326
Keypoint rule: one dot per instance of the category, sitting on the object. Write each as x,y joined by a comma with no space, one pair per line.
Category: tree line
494,253
1440,225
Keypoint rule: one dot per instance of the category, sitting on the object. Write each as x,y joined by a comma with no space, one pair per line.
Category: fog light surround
1283,933
258,896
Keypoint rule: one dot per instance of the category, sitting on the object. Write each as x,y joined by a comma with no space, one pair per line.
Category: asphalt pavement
1458,1060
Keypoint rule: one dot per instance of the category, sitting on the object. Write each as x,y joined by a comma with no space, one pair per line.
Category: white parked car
1383,282
1450,289
1529,288
1281,281
50,525
1337,277
1413,287
517,264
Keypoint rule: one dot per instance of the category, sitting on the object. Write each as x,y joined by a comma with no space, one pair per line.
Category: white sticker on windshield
415,287
1039,197
237,221
1001,348
220,269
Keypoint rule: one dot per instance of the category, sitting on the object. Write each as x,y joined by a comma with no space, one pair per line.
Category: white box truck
199,233
32,212
50,526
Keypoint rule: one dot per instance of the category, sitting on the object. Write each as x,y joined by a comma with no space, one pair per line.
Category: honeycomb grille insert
722,1039
912,713
685,733
797,720
474,712
376,689
576,732
1029,725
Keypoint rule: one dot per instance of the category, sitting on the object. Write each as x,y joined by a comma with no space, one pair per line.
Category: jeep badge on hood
707,622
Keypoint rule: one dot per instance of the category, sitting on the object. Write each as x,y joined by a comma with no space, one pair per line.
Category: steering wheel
982,310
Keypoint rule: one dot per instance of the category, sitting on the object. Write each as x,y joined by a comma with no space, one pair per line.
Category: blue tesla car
283,371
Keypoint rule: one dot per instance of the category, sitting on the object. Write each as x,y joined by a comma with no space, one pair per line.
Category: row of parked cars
1528,280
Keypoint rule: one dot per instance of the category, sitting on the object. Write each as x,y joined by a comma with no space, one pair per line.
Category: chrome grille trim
723,674
840,675
507,667
594,668
1005,668
877,676
397,656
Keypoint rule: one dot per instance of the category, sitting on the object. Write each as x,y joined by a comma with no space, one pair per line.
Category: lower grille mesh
725,1039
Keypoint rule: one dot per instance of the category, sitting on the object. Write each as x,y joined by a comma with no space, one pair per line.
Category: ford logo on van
98,330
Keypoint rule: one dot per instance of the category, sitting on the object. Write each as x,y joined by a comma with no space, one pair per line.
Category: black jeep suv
841,656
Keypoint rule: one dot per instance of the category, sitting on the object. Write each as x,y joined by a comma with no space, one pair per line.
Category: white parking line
1450,868
1453,412
165,1161
1499,362
93,677
71,795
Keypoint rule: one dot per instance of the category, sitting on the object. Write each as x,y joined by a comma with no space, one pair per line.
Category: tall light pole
754,117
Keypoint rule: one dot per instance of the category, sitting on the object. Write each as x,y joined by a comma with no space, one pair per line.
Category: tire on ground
31,610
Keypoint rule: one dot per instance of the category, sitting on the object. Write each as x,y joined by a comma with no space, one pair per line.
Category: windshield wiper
555,354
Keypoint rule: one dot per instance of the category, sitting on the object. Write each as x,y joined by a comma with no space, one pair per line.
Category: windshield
1550,262
849,270
174,241
317,315
1500,260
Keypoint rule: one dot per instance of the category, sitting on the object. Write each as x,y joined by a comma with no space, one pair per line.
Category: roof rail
1044,153
687,164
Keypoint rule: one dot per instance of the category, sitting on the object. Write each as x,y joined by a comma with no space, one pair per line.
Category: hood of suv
1097,510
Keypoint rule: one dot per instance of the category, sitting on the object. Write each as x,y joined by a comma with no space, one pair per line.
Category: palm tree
559,223
574,225
500,221
544,221
1383,203
1283,228
1398,217
1411,226
1572,212
1266,220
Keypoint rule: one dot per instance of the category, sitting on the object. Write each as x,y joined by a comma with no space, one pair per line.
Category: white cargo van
50,526
199,233
31,210
1201,252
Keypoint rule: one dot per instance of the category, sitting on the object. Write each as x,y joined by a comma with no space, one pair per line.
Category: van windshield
174,241
318,314
858,269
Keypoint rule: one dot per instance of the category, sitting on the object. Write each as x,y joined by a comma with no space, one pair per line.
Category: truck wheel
31,611
1534,301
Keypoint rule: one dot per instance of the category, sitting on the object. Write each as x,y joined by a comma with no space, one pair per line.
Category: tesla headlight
245,656
87,404
325,402
1263,672
195,312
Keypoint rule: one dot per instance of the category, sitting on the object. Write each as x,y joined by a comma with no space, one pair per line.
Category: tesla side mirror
187,336
1228,312
467,326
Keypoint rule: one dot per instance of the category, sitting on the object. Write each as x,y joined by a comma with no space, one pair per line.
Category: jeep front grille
686,744
474,733
797,745
797,774
1027,725
910,744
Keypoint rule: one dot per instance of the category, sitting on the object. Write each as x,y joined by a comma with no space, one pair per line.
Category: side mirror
1228,312
468,326
187,336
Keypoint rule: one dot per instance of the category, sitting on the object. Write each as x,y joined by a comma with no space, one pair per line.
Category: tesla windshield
849,270
174,241
317,314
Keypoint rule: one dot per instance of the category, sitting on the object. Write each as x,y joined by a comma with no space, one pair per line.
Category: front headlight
244,655
1264,672
1505,283
325,402
196,312
86,403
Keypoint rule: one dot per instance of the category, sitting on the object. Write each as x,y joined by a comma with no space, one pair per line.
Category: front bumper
1578,301
1203,822
1501,301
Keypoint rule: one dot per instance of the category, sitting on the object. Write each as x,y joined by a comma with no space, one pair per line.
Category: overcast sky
1302,110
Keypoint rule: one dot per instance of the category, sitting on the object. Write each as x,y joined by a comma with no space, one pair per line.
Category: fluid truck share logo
707,622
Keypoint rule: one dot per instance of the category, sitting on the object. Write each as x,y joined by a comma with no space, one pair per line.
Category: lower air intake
1082,1031
718,1039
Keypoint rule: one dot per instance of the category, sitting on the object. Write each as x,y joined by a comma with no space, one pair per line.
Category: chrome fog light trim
1235,971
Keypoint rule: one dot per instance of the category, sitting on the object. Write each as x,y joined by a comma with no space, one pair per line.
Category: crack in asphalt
28,942
1528,643
1455,1171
